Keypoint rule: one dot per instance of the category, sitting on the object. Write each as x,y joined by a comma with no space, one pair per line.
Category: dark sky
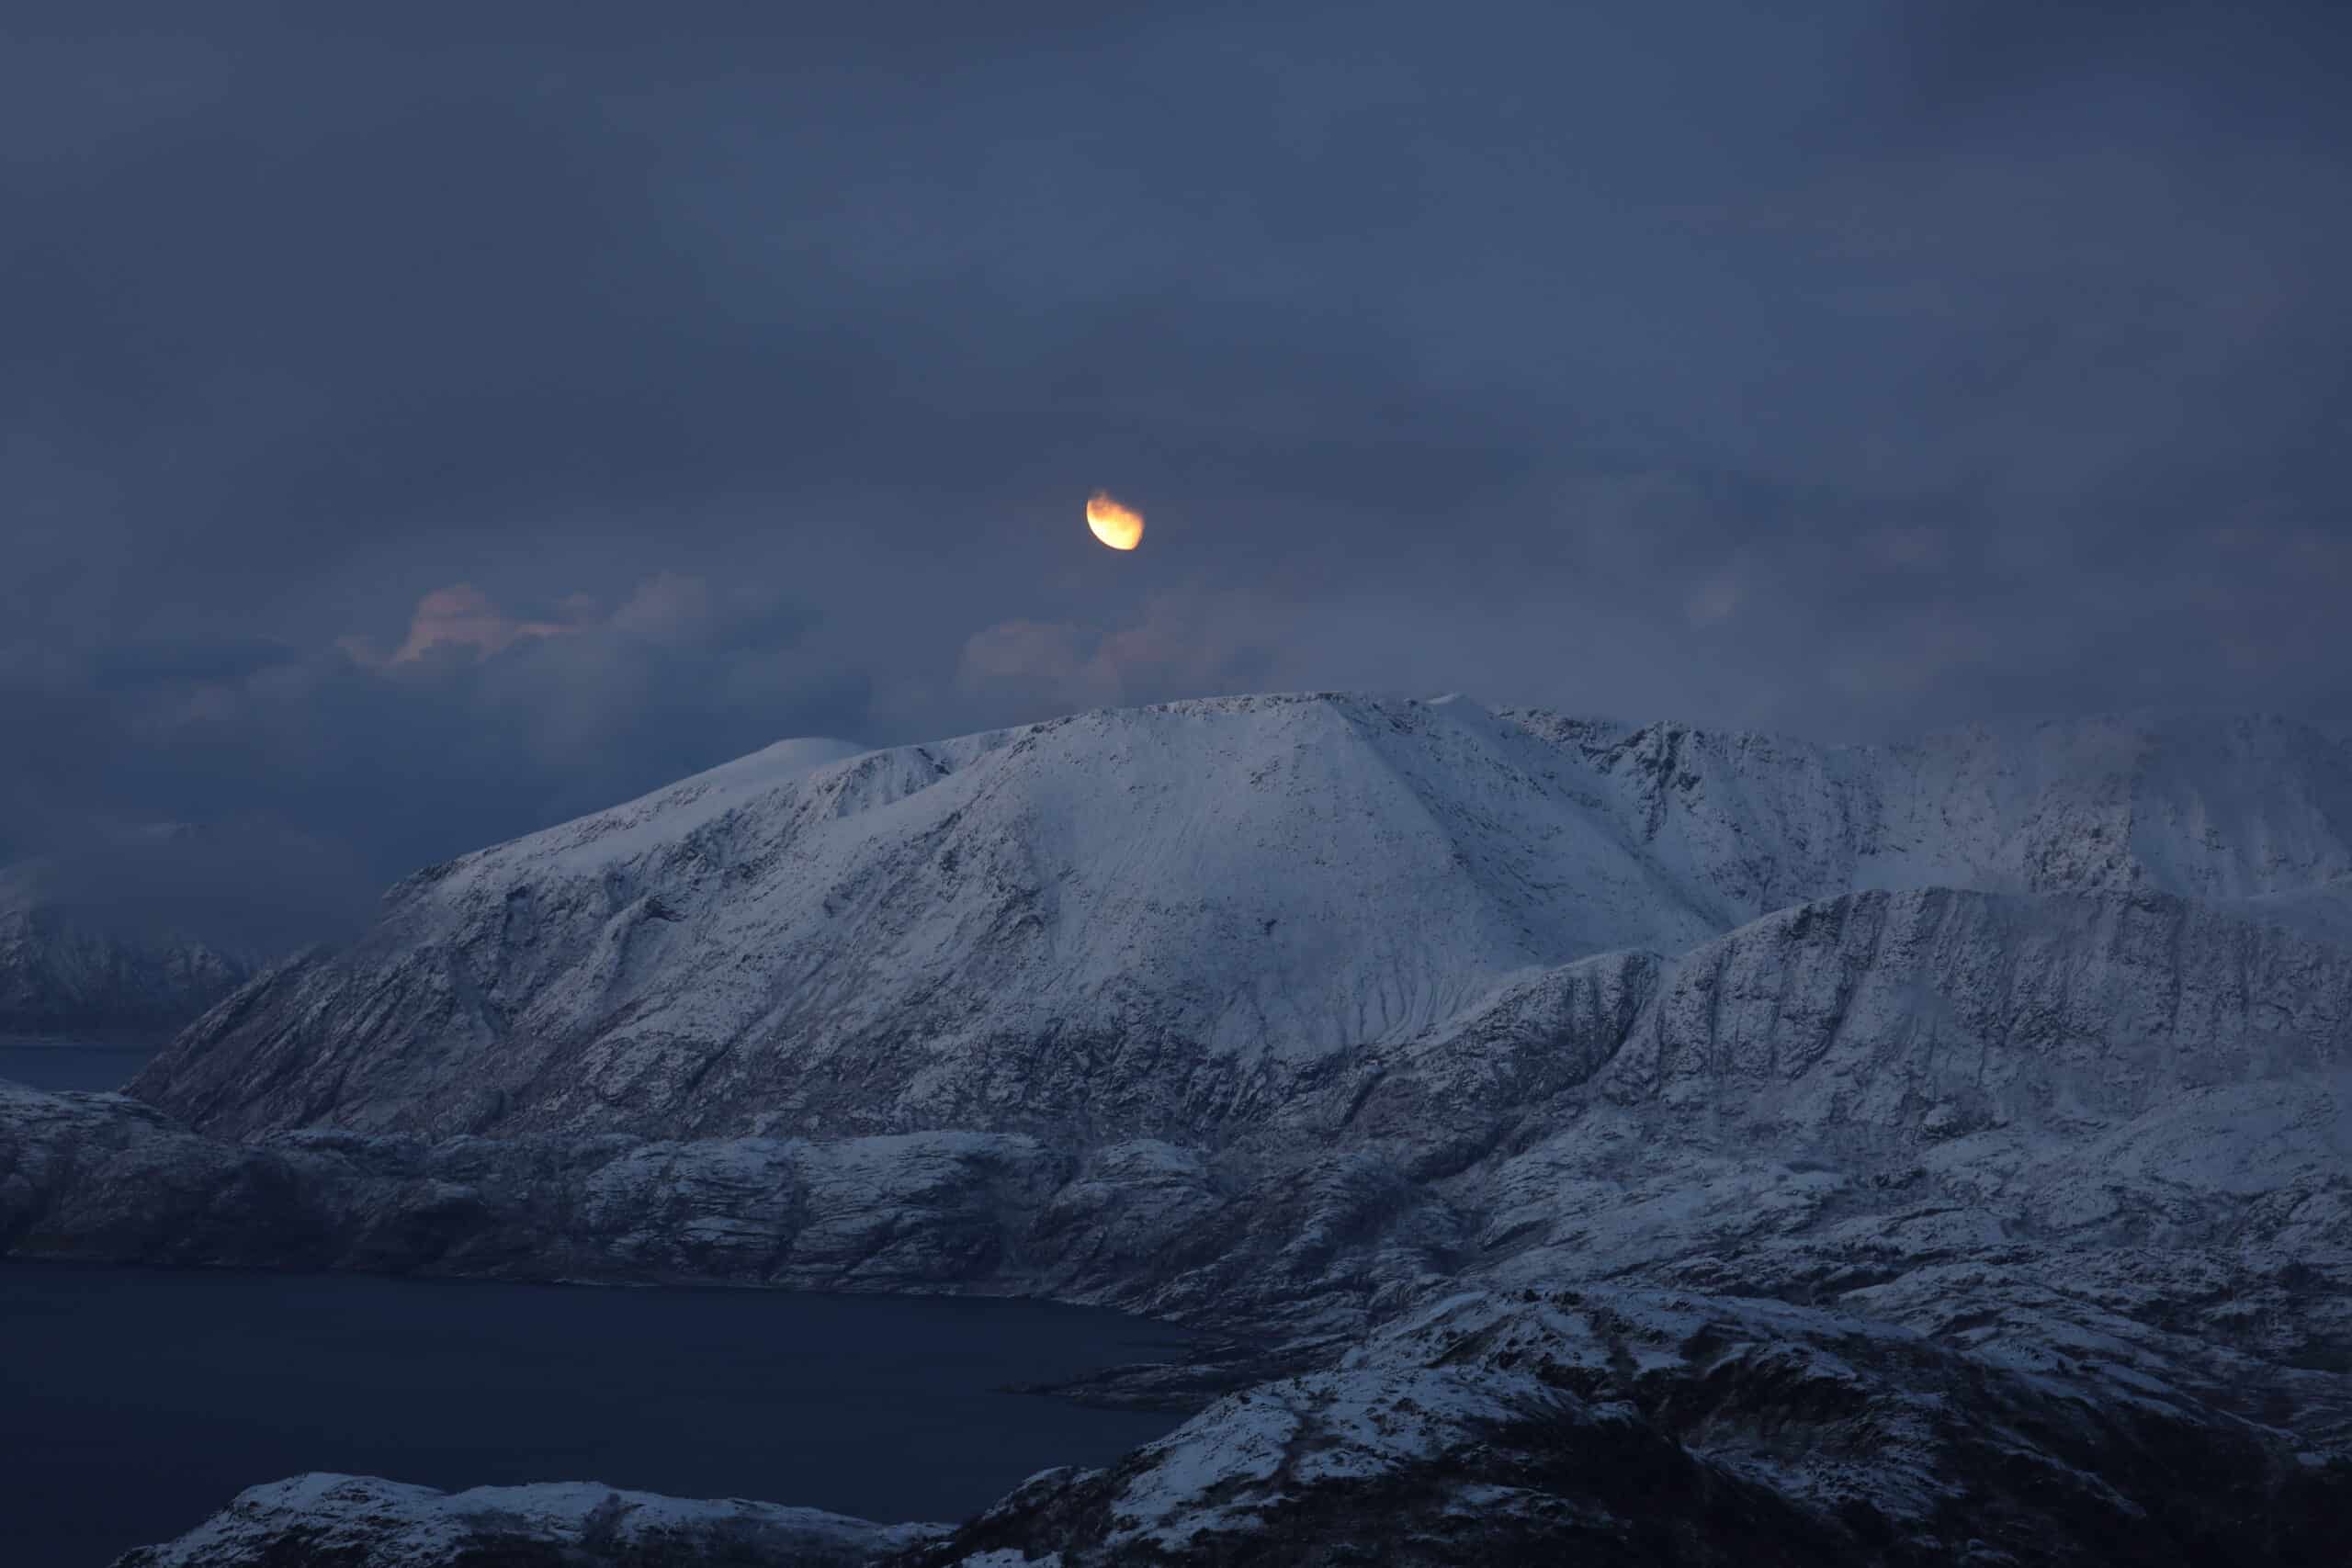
423,427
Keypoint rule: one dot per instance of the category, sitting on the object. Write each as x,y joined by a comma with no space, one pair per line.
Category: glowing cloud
462,616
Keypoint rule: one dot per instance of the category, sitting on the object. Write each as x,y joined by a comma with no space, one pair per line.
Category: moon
1118,527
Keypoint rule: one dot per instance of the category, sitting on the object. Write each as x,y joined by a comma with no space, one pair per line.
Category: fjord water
78,1067
134,1401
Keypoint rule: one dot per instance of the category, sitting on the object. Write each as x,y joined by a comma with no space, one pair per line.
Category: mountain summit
1123,920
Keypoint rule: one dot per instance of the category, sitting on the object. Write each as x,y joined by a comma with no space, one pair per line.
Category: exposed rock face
100,1177
1669,1147
349,1521
2116,1069
1629,1426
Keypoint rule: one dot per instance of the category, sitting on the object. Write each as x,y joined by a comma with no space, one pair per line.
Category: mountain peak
1224,885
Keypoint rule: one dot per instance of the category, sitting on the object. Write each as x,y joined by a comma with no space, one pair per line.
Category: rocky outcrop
350,1521
1639,1427
104,1178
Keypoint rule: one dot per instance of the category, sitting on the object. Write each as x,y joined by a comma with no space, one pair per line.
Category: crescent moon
1118,527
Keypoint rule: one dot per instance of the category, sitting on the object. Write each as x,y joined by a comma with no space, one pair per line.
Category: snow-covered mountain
1115,920
62,971
357,1521
1666,1145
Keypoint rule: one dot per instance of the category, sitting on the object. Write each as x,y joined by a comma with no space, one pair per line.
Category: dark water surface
134,1401
55,1064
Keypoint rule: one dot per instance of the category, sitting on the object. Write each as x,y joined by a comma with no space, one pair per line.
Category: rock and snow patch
1646,1427
362,1522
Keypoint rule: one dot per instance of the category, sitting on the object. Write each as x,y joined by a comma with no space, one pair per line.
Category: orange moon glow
1115,525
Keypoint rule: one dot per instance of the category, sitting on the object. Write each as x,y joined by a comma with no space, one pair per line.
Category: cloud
665,607
462,615
489,728
1061,656
1188,644
249,887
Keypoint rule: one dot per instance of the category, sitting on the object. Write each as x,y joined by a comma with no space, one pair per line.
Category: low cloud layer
480,725
419,430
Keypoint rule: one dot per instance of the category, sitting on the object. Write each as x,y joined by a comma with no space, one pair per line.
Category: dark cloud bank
418,430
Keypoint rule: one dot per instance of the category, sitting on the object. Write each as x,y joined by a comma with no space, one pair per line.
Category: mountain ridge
63,972
1208,882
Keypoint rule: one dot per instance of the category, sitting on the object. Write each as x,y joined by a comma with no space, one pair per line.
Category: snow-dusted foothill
1637,1427
352,1521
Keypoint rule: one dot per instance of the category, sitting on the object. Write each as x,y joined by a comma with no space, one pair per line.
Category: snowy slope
360,1522
2216,807
1628,1426
1111,921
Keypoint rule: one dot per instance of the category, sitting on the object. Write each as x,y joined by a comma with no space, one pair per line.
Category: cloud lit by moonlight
1115,525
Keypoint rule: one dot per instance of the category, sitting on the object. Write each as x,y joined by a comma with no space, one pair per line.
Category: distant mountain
1111,922
65,972
134,930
